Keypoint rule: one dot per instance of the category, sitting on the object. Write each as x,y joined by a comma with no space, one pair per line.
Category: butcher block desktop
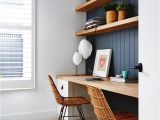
128,89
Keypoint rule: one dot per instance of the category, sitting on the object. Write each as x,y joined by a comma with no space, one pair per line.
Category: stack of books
94,22
116,79
123,80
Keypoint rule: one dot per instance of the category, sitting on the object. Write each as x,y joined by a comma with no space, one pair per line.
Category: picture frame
102,62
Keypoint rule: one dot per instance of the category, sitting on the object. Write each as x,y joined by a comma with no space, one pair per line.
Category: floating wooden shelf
92,4
127,23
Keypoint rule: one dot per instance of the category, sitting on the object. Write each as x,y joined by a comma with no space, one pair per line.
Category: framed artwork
102,62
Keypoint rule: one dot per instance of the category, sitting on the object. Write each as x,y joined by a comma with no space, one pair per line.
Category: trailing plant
109,7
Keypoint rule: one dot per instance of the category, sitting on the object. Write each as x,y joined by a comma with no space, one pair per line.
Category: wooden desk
129,89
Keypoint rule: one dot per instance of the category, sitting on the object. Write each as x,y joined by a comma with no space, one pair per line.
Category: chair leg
80,114
61,113
63,116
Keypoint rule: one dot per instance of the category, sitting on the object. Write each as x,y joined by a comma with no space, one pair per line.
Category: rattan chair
68,102
102,109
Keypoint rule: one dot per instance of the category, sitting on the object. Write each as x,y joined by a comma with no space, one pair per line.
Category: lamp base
76,70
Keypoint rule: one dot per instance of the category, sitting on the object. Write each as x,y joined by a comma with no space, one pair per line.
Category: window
17,44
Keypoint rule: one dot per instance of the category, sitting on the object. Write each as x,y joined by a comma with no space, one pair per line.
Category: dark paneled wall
124,44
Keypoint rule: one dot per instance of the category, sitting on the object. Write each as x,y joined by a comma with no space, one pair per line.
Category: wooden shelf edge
90,5
127,23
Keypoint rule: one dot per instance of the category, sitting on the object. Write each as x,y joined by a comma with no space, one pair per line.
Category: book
92,26
116,79
94,22
97,18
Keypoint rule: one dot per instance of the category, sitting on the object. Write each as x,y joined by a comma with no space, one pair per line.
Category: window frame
24,84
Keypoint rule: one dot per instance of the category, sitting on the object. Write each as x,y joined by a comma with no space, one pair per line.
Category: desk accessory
123,80
116,79
94,79
84,51
77,57
119,76
125,74
85,48
102,62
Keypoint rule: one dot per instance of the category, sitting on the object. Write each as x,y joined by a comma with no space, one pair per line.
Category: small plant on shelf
109,7
111,13
122,8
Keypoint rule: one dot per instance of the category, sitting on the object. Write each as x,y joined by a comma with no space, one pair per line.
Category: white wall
149,55
56,23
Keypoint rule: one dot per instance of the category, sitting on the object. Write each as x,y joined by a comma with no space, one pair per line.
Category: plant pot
111,16
122,14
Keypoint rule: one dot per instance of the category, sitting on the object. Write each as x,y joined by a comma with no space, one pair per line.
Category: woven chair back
100,104
55,91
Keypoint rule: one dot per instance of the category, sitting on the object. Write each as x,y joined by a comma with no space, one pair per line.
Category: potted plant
122,8
111,13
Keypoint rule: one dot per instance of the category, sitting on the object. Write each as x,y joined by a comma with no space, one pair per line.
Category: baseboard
38,115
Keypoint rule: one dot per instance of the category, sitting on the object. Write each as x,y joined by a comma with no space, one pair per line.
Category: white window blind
11,52
17,44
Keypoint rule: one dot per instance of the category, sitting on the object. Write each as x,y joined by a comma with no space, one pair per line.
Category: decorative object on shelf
94,22
125,74
111,13
85,48
77,58
102,62
122,8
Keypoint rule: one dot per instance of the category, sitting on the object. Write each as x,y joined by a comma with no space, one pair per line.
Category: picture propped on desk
102,62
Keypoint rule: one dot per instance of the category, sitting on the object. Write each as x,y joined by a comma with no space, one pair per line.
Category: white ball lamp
85,48
77,57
